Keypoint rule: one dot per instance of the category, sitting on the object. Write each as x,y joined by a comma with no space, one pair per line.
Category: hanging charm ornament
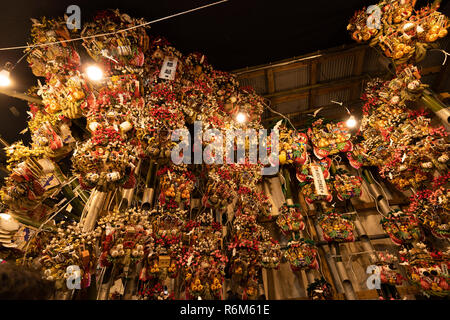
301,254
290,219
427,269
402,227
336,227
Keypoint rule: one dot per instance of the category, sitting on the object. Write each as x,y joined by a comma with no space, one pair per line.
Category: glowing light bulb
4,78
5,216
241,117
94,73
351,122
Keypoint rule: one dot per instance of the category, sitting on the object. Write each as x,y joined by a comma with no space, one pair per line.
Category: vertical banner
319,180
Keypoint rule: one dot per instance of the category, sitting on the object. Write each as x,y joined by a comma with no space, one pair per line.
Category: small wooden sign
319,180
164,261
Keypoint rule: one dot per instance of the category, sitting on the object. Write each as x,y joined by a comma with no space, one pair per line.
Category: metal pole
379,197
430,99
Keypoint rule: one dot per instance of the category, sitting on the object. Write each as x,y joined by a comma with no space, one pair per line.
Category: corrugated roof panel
429,78
338,96
290,79
336,68
292,106
372,61
299,118
257,83
434,57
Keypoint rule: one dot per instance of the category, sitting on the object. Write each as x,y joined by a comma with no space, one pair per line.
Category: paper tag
22,236
164,261
444,268
66,135
234,252
408,71
319,180
46,165
118,287
169,68
168,173
49,181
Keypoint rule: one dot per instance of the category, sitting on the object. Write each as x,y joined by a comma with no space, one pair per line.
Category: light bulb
351,122
241,117
94,73
4,78
5,216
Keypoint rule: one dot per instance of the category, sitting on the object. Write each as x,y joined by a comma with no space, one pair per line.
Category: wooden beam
312,81
293,114
322,85
290,97
358,70
332,52
252,74
359,62
442,78
21,96
270,81
295,65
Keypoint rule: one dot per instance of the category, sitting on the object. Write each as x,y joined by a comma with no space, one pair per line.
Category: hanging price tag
319,180
169,68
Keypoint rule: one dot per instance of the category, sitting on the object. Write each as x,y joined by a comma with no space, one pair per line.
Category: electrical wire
41,226
280,114
115,32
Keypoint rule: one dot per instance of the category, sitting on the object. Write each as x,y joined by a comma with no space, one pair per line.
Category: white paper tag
444,268
169,68
319,180
46,165
118,287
